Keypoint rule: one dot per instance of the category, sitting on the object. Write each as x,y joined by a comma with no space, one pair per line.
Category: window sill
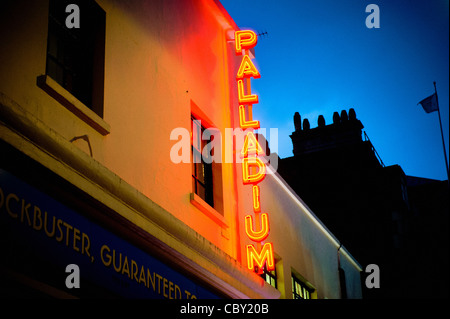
73,104
198,202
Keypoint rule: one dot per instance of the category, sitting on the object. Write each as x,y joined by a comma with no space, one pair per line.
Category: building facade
95,103
339,174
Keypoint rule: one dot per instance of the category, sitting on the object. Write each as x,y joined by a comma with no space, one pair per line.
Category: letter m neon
266,256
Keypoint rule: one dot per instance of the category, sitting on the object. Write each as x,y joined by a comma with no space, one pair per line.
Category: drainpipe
341,273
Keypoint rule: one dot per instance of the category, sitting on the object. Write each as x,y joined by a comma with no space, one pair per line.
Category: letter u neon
261,234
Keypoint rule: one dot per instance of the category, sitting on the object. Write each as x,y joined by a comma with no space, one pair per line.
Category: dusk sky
319,57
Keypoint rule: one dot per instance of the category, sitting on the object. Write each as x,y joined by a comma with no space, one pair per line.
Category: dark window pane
202,172
75,51
201,191
299,289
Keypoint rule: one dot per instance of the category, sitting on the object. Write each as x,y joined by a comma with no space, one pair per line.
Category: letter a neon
251,146
247,69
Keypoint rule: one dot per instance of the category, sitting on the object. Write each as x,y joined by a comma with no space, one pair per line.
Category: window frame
269,276
75,58
197,154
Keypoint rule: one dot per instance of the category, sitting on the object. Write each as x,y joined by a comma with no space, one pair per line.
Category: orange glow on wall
253,169
265,257
261,234
256,199
245,99
244,39
251,146
247,69
244,122
249,176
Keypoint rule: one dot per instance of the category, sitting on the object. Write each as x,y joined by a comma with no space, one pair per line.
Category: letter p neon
245,39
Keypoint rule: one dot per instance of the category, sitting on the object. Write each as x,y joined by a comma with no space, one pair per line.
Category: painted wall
161,58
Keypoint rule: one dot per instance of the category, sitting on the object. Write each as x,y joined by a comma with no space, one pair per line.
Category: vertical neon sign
253,168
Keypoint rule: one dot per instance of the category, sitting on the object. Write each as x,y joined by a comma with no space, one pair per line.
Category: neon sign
260,235
244,122
249,177
257,228
247,69
244,39
245,99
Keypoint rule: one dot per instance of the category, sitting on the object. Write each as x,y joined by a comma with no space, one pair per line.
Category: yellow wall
160,57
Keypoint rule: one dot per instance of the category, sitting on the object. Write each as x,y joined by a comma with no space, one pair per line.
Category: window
299,289
270,277
75,56
202,172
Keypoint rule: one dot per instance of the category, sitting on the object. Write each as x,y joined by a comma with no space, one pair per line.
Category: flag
429,104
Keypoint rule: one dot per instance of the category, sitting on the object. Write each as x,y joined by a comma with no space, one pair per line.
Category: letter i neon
256,199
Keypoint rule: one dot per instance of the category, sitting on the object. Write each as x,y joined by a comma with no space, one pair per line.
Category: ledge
203,206
74,105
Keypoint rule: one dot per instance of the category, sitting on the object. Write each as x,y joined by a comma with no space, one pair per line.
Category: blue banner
38,231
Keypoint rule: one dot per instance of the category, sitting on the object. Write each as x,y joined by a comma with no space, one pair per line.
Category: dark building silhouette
428,238
369,206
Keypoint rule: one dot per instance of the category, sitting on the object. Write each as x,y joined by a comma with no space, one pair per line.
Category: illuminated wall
161,59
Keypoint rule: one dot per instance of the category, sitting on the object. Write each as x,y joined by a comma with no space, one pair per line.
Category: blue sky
319,57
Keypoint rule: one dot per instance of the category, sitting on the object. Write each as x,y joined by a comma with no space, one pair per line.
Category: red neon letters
266,256
244,39
245,99
247,69
251,146
250,176
253,168
261,234
256,199
243,122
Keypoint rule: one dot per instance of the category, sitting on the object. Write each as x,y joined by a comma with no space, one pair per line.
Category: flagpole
442,133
